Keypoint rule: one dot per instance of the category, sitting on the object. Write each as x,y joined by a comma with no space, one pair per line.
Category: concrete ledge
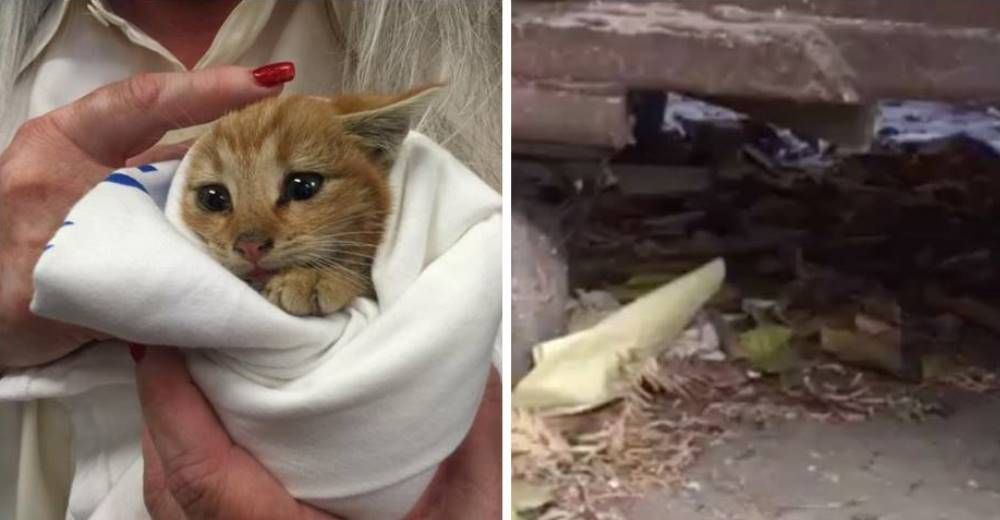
746,51
583,115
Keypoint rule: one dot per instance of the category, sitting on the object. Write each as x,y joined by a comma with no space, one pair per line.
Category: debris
768,348
699,341
937,367
728,339
829,505
589,308
590,368
527,497
614,453
973,379
874,344
692,485
642,284
762,311
646,179
919,122
856,286
968,308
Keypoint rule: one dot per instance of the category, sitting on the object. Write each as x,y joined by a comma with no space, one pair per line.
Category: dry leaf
768,348
529,497
875,345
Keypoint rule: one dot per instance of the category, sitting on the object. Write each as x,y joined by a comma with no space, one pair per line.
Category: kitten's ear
383,127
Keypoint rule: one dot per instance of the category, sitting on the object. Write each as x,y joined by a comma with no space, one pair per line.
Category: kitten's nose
252,246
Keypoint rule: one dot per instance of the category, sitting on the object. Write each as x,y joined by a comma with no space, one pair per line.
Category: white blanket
352,412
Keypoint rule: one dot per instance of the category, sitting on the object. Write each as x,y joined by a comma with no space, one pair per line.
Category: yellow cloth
589,368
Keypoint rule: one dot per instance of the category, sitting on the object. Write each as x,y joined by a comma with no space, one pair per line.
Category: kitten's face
293,182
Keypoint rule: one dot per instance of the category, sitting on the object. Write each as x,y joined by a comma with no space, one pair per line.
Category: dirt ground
945,468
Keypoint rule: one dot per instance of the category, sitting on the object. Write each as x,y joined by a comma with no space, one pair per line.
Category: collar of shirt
236,35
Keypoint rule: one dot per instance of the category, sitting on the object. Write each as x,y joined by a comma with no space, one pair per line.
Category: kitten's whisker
325,263
350,254
332,258
324,252
350,243
352,216
348,224
359,264
348,276
335,247
338,242
354,233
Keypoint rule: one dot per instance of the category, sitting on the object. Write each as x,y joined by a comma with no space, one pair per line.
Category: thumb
191,457
181,424
122,119
185,446
160,503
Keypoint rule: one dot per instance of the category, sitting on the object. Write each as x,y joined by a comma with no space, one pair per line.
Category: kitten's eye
302,186
214,198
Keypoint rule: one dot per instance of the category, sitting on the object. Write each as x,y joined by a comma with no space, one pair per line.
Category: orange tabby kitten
291,194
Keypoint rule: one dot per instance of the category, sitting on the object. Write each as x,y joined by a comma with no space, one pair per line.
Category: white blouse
78,47
82,45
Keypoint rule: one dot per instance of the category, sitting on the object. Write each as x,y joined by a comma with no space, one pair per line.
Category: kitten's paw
294,291
307,292
332,294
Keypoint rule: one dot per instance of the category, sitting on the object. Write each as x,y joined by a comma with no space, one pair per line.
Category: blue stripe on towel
146,168
67,223
50,246
125,180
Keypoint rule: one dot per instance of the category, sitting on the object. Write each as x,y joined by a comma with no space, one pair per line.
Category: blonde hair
18,21
392,45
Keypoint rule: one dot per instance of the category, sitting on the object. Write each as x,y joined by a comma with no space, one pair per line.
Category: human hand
54,159
469,483
194,471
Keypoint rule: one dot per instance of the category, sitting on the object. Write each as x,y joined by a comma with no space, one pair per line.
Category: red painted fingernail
275,73
137,352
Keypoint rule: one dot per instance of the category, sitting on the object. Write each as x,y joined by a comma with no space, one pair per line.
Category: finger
188,438
123,119
159,502
165,152
468,484
181,423
478,461
206,474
